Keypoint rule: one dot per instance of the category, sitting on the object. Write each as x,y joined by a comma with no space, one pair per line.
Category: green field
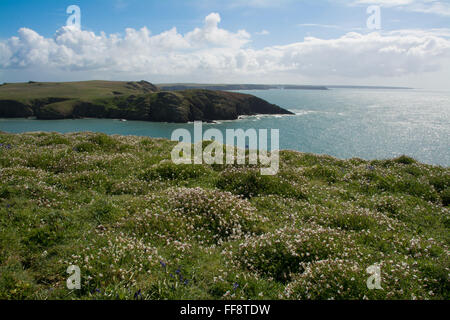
139,226
84,90
59,100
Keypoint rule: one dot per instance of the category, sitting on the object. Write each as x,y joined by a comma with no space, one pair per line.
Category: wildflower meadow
141,227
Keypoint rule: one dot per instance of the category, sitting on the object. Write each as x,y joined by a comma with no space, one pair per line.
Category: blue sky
267,24
287,21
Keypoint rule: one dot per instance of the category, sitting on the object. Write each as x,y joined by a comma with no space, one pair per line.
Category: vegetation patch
140,227
249,183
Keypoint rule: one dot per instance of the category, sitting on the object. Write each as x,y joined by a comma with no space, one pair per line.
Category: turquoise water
345,123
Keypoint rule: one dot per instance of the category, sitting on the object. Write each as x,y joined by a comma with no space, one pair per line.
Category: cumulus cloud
212,53
212,35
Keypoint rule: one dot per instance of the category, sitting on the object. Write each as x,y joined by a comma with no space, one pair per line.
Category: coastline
168,140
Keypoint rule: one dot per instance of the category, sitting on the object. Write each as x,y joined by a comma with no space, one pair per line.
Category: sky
319,42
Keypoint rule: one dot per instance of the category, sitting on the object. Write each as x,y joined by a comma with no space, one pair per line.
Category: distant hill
25,92
232,87
126,100
187,86
367,87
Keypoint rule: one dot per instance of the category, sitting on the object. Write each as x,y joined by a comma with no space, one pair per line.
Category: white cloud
424,6
318,25
263,33
120,4
437,32
210,53
434,7
386,3
259,3
211,34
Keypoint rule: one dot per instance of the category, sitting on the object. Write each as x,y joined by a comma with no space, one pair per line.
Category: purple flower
235,286
138,295
163,264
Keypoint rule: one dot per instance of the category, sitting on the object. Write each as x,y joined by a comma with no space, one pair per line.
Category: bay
345,123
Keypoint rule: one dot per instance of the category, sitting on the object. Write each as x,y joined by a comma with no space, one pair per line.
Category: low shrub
85,147
113,258
327,173
347,280
445,197
281,253
103,210
440,182
404,160
215,215
105,142
249,183
329,279
168,170
353,218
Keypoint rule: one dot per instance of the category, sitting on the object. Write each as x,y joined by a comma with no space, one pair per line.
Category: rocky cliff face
148,104
178,107
14,109
219,105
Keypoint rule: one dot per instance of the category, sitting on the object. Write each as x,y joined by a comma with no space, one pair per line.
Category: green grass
83,90
134,222
61,100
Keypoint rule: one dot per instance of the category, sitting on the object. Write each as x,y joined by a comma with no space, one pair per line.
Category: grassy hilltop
127,100
25,92
139,226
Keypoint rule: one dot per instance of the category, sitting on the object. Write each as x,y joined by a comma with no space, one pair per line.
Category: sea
341,122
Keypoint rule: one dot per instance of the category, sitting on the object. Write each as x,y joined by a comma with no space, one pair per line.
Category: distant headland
127,100
235,87
187,86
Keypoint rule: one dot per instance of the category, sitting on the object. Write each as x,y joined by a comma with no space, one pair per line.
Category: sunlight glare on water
345,123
